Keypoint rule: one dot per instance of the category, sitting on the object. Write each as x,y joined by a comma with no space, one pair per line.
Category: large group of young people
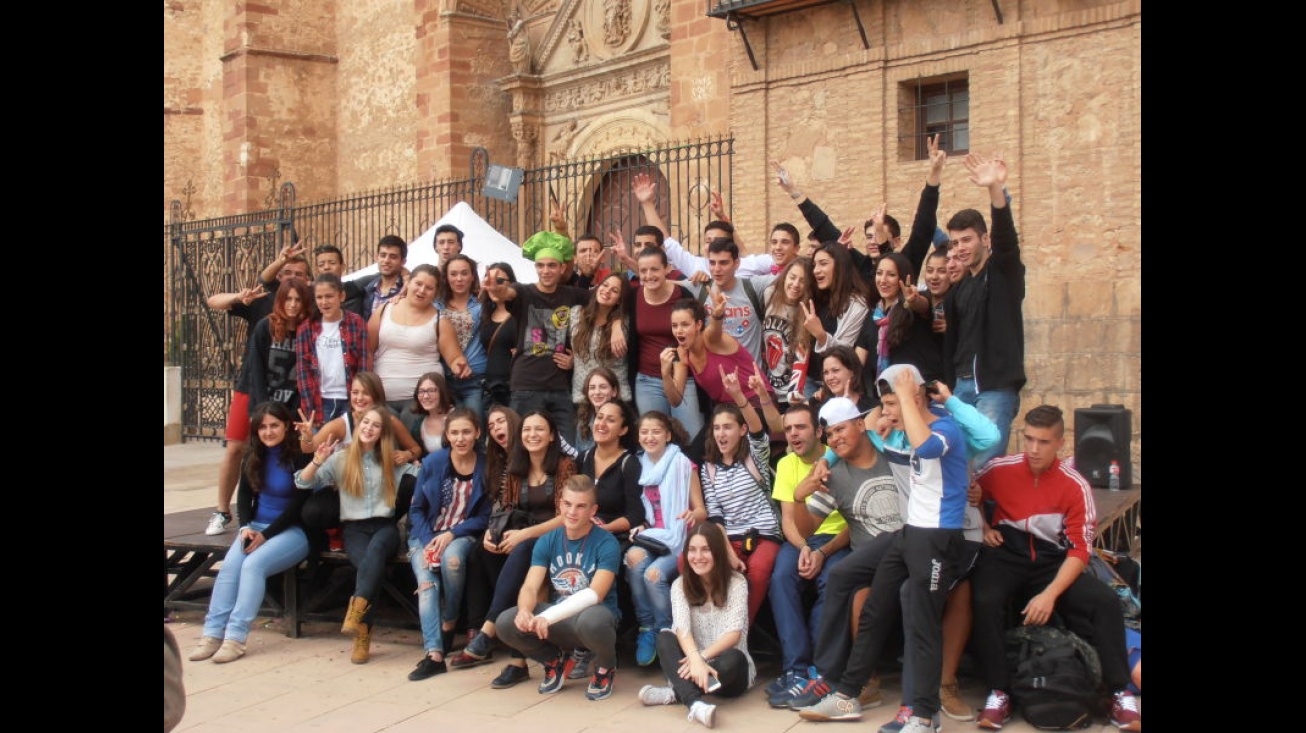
814,428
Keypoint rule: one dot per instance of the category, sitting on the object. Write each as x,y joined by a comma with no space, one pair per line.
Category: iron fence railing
225,254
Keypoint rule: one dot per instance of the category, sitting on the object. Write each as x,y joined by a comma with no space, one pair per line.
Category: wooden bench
189,556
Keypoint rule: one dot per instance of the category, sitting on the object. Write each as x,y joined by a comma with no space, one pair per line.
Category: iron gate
226,254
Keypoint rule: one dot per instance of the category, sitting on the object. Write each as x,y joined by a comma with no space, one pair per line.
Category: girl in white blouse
706,648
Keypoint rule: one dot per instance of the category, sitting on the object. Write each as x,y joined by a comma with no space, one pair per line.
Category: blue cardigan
428,501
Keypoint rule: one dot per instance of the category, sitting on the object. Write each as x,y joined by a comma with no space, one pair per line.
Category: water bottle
1113,481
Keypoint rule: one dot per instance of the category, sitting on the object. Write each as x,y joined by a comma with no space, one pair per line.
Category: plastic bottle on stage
1113,482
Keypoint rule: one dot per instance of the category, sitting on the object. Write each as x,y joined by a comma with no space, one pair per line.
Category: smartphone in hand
249,540
713,684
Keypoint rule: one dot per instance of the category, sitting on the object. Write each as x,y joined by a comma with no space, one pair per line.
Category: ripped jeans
439,590
652,598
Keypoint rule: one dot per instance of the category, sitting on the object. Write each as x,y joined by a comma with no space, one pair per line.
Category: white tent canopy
481,242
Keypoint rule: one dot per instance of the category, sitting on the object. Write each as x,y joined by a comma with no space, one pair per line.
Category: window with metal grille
934,106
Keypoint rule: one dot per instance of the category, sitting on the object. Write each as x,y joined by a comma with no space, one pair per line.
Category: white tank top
405,353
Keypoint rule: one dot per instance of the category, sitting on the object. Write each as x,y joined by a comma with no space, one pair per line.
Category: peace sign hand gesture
937,158
290,252
812,322
249,295
325,450
909,292
717,206
846,238
305,425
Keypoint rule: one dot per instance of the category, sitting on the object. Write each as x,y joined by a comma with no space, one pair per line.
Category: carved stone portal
580,52
613,27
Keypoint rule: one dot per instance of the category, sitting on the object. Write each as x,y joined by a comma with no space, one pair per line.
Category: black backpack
1054,676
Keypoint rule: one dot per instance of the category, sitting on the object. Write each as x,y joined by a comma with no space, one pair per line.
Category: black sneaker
555,673
601,684
511,675
427,668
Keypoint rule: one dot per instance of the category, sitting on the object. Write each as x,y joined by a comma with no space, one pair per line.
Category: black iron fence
225,254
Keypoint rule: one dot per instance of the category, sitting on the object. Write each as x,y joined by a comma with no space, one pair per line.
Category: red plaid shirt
353,335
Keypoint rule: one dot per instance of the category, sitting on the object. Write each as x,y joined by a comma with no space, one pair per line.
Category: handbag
502,520
651,544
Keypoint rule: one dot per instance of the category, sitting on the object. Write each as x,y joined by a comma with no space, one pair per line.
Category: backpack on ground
1055,676
1106,567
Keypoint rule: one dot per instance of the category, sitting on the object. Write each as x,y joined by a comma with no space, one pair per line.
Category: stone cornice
275,53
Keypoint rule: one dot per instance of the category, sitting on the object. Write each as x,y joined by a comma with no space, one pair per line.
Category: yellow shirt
788,473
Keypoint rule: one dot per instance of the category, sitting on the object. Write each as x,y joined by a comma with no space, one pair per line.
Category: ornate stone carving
613,27
525,134
636,81
560,145
580,52
616,22
662,10
622,135
519,44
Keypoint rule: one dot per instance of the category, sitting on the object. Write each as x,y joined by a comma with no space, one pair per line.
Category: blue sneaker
646,647
783,698
781,683
816,690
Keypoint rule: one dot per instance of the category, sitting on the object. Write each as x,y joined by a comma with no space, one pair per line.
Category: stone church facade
344,96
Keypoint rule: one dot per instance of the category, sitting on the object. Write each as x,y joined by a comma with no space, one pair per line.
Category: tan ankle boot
358,607
362,645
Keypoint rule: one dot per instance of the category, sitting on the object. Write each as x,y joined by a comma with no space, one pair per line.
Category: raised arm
927,220
762,388
227,301
825,229
715,334
730,382
288,253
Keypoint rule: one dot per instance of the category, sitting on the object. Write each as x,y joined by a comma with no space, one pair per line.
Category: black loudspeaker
1101,436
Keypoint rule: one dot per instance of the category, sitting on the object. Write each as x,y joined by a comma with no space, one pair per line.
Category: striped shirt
736,499
455,497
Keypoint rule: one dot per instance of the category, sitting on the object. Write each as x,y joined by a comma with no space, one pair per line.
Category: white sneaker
701,712
218,523
919,725
655,695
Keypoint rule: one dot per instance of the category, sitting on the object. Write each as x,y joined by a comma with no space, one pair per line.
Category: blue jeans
333,408
652,598
447,581
998,405
511,576
557,403
649,396
797,630
468,393
238,590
